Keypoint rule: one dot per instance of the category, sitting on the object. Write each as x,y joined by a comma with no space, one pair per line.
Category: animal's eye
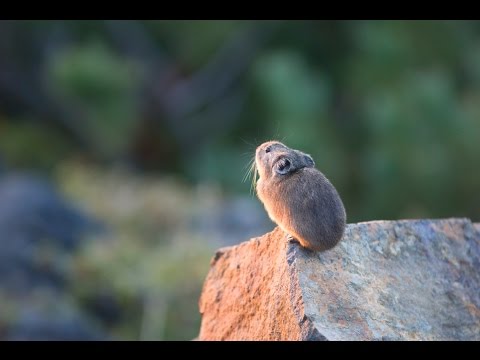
268,149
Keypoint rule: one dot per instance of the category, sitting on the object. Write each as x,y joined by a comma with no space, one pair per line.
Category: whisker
252,168
246,176
250,165
253,187
246,142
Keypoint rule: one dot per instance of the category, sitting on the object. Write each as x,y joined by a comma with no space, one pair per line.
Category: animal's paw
291,239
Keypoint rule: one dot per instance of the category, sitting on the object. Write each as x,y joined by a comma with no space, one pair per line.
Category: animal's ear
284,166
308,160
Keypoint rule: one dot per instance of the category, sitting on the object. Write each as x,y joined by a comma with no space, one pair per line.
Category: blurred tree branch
207,102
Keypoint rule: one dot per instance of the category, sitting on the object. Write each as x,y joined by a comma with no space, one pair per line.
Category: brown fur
298,197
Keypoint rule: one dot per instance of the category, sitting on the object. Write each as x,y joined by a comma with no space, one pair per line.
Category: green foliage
221,164
150,260
194,41
103,85
298,112
388,109
413,112
19,144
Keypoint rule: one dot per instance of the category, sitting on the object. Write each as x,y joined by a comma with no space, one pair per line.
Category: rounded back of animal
298,197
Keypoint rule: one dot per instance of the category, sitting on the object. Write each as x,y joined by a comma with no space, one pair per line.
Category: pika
298,197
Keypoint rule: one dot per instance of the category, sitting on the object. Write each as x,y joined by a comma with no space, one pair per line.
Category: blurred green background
148,126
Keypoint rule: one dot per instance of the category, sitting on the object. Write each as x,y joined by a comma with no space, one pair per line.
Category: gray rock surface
386,280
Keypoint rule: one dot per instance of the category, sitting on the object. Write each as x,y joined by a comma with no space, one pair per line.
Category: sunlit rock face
386,280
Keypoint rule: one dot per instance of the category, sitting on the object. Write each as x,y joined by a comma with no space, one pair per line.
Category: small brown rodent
298,197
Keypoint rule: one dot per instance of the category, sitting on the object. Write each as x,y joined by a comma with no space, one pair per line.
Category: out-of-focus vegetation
151,263
390,111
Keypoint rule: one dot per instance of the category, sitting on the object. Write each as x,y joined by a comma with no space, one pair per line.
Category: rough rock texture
386,280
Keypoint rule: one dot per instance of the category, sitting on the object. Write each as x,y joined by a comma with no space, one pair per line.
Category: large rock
386,280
